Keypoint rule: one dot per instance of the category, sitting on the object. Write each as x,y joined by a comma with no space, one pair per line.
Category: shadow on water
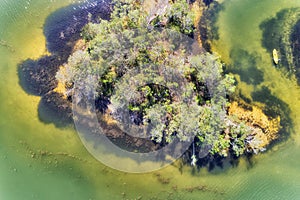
62,28
209,30
214,163
218,164
281,33
37,77
295,45
246,66
53,108
275,107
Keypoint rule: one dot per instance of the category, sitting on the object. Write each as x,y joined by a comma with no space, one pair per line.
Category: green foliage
148,73
180,17
238,134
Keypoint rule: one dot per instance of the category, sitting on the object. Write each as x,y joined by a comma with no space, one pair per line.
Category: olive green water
39,161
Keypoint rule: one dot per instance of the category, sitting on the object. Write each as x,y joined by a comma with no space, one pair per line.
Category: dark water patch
245,65
63,27
275,107
277,35
295,45
213,163
53,108
271,31
37,77
208,25
241,98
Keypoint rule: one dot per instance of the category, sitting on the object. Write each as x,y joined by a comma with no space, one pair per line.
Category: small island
146,66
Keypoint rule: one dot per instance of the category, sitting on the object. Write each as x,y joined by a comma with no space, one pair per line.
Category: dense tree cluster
144,65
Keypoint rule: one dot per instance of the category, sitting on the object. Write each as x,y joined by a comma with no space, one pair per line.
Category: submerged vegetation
145,65
283,29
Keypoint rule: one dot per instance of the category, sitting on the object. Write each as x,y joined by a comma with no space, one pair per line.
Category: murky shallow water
40,161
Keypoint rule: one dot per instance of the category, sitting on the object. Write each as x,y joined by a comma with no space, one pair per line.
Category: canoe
275,56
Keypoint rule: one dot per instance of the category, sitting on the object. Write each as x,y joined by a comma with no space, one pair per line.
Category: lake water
40,161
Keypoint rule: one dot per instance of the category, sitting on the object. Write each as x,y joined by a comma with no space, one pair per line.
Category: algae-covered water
41,161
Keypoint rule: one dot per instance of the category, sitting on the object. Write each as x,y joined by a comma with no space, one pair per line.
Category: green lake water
40,161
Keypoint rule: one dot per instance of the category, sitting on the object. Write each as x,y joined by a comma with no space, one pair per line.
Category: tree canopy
146,65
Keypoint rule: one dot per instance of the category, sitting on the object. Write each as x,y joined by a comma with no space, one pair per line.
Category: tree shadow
208,29
63,27
213,163
245,65
37,77
275,107
62,30
53,108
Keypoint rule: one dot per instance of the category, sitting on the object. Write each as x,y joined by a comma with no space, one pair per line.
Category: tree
154,84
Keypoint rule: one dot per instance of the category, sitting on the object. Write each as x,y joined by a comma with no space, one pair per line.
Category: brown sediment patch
266,129
61,89
79,45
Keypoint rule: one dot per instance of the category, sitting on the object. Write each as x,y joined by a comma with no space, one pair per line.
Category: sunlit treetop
143,62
